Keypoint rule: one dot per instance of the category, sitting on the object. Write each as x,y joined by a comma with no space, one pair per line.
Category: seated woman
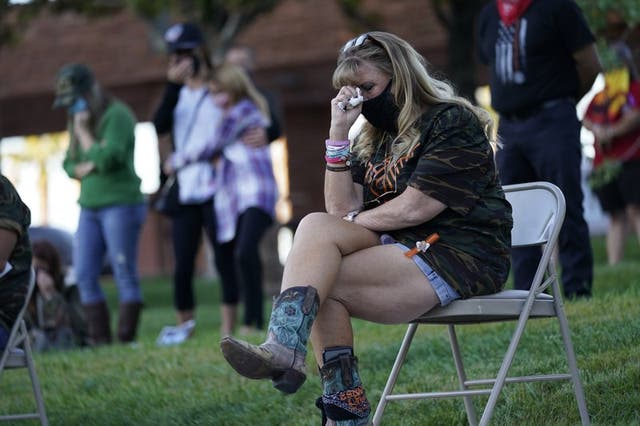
421,169
56,321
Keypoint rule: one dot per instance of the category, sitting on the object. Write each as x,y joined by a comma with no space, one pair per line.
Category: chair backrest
537,207
538,210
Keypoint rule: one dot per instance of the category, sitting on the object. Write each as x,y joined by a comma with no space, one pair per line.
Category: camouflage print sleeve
453,165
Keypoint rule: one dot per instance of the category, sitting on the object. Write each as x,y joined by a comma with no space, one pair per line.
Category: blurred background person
614,118
187,118
244,57
15,257
246,191
542,59
55,316
112,208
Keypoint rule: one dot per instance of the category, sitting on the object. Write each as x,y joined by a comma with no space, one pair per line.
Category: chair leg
572,363
35,383
393,376
462,376
501,378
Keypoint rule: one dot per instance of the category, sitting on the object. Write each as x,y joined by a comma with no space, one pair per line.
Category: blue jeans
546,146
114,230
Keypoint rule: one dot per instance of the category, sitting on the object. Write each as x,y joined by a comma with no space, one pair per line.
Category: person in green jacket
100,156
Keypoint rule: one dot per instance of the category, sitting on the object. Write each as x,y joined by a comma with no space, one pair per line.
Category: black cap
183,36
73,80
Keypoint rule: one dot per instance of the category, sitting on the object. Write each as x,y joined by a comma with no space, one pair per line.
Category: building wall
296,47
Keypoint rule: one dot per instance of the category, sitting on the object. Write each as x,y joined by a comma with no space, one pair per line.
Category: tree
220,20
458,18
596,11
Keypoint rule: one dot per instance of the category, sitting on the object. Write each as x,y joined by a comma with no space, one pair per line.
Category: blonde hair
236,82
412,87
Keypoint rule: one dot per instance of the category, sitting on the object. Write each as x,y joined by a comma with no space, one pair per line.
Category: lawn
192,384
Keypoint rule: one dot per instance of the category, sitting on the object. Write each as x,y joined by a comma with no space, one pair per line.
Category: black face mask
382,112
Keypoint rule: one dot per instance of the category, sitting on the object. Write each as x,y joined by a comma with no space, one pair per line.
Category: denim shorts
445,292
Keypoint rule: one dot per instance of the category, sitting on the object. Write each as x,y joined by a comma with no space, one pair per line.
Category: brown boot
98,323
128,318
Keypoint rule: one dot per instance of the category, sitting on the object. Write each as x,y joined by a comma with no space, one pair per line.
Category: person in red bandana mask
542,60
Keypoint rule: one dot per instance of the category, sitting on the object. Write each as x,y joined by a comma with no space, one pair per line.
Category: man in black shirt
542,59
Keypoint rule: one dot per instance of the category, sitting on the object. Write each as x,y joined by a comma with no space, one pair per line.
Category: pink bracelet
333,160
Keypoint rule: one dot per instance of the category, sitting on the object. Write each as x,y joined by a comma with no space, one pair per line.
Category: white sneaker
175,335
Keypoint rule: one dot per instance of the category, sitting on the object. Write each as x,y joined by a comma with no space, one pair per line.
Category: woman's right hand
180,69
342,120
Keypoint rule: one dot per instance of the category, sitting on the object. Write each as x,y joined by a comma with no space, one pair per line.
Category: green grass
192,384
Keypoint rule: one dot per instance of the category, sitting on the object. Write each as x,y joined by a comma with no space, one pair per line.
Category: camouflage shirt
453,163
16,217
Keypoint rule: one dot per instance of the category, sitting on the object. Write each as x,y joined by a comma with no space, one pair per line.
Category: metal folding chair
538,213
18,354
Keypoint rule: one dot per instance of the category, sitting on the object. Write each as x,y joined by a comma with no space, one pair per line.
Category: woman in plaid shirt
245,188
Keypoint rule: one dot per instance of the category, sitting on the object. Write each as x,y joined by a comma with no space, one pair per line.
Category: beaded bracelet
337,168
336,151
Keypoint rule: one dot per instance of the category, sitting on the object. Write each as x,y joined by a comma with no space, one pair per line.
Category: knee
317,223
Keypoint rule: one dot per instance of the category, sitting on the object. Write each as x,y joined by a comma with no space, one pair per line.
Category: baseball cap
72,81
183,36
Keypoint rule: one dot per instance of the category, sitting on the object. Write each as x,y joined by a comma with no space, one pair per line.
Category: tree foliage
596,10
220,20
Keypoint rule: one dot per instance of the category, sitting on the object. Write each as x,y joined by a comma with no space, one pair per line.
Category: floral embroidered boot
281,357
343,398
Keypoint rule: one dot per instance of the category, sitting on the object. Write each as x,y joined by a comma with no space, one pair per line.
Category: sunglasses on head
359,41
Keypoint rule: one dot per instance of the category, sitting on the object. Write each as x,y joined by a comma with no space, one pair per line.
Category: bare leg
320,243
228,314
616,237
633,215
378,284
338,270
184,316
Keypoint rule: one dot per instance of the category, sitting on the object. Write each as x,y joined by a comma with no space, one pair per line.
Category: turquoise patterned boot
343,398
281,357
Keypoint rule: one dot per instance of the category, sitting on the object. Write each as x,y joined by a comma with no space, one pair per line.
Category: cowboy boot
98,323
281,356
128,318
343,398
